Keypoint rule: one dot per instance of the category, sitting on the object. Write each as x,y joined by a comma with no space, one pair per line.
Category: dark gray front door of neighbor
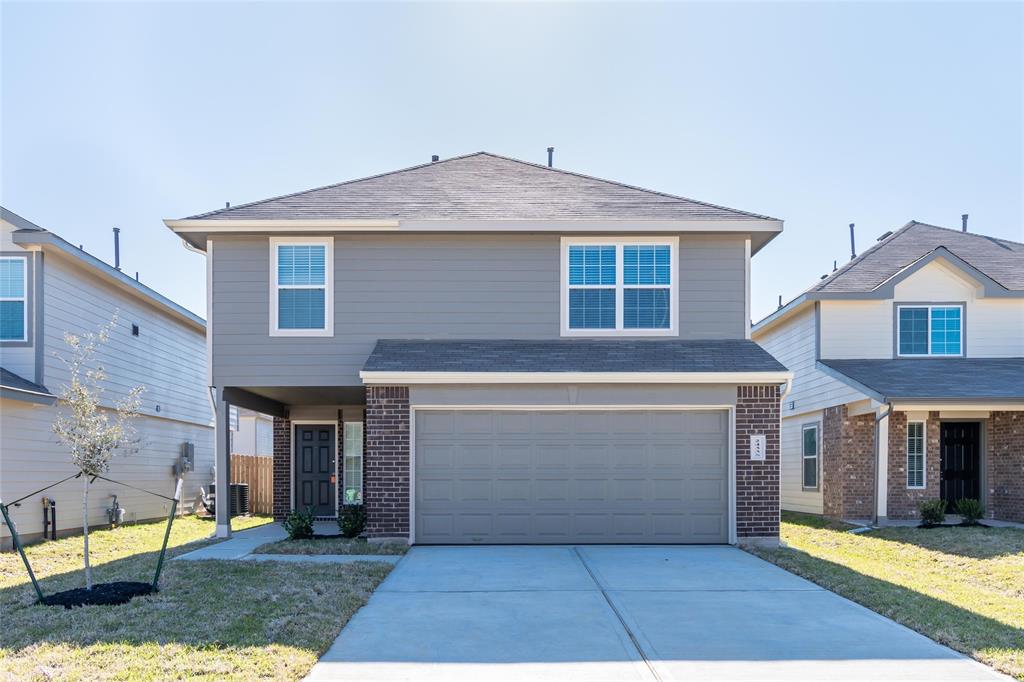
564,476
314,469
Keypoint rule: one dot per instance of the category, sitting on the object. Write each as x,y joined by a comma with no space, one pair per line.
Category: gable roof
998,264
1000,259
30,233
932,379
479,186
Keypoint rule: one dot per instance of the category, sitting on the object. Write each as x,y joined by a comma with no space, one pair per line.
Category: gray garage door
506,476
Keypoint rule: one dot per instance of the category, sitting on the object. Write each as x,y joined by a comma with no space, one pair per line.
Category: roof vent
964,219
435,158
551,157
780,300
227,204
117,248
853,246
887,234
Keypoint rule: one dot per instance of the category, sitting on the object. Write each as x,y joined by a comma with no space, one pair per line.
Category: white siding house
155,343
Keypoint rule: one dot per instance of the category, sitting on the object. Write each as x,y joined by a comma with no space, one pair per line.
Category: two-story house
484,350
908,379
49,287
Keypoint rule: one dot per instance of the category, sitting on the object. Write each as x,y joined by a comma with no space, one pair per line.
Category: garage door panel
523,476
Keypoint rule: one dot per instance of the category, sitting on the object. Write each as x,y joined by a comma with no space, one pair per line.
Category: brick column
848,463
282,467
1005,466
757,481
386,461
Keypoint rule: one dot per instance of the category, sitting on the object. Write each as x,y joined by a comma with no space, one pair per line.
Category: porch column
222,465
882,493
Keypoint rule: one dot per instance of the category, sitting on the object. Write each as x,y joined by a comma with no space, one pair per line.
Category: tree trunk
85,531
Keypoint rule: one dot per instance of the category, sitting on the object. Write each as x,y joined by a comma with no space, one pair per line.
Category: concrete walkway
241,545
621,613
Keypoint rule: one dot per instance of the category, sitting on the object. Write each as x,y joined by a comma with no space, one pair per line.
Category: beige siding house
52,287
909,379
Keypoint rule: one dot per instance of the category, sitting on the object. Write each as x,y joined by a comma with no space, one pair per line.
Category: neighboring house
483,350
49,287
252,433
909,379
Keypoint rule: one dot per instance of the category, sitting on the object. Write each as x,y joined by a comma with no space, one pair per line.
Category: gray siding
434,286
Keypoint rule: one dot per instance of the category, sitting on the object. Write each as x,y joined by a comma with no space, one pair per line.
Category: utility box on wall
186,459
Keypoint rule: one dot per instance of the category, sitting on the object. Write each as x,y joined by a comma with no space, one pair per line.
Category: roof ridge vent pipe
964,219
551,157
117,248
853,245
435,158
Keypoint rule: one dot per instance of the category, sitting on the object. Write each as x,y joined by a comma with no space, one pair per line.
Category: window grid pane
300,309
592,308
945,331
646,265
915,455
913,331
809,451
12,320
645,309
12,277
301,265
592,265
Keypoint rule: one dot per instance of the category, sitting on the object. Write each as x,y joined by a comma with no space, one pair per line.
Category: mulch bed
107,594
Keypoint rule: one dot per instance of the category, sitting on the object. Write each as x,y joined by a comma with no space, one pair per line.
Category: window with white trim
301,287
353,463
809,449
929,330
264,437
915,454
13,299
619,287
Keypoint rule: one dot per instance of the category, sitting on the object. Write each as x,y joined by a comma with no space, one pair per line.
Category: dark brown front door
961,462
314,469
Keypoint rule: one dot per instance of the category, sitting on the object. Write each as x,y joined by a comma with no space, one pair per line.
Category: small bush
933,512
352,520
970,510
299,524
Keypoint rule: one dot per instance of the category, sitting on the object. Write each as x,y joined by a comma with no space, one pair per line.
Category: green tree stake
167,534
21,551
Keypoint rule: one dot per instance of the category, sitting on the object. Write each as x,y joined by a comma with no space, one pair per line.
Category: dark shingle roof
937,378
9,379
570,355
1000,259
480,186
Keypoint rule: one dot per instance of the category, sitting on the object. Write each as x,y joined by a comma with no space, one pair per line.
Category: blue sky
821,114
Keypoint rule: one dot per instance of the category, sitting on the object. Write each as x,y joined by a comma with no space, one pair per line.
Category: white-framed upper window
353,463
301,286
929,330
915,454
809,456
13,298
623,286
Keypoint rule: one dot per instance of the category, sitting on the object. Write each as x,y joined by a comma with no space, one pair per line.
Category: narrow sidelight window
915,454
13,307
301,296
809,452
353,463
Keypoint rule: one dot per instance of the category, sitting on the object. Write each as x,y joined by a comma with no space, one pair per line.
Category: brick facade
902,502
847,464
757,481
386,461
1005,470
282,467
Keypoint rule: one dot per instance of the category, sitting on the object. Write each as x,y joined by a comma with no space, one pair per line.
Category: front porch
921,453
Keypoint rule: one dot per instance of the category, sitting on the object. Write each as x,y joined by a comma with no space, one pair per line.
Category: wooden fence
258,472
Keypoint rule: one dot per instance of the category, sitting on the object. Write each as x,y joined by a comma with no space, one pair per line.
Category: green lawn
963,587
214,620
337,545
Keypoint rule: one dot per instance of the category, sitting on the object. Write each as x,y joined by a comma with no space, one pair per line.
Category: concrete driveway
621,613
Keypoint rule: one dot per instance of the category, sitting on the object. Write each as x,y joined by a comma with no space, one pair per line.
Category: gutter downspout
878,419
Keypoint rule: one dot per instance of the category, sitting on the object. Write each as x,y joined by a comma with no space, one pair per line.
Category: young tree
92,433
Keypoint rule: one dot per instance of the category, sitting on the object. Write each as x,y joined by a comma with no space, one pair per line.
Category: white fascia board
208,226
419,378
